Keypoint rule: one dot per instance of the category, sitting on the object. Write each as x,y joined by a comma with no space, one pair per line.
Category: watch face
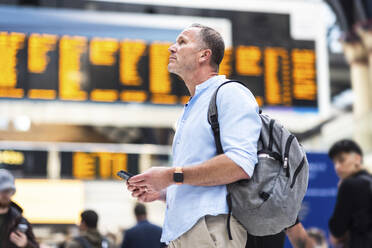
178,177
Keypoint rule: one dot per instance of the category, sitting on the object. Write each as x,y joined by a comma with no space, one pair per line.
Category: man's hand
18,238
150,196
142,194
151,181
333,240
339,242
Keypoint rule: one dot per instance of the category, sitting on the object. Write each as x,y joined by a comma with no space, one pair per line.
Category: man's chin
173,70
170,69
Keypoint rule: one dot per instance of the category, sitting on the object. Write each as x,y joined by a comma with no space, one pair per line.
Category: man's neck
354,172
141,218
197,77
4,210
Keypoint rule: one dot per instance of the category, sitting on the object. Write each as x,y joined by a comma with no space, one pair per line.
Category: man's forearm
298,237
219,170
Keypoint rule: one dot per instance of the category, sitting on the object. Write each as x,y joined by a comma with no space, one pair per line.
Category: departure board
74,164
279,75
97,165
103,69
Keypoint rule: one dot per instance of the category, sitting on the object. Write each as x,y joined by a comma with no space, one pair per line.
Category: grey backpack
270,200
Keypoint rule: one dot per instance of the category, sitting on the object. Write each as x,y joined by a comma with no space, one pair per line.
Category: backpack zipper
263,155
286,154
299,168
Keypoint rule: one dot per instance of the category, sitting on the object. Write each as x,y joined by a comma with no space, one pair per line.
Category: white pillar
53,164
144,162
357,56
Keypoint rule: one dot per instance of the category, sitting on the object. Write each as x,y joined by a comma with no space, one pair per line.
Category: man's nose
172,48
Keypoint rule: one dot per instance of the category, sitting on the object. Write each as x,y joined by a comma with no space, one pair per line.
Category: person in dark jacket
15,230
144,234
351,222
89,234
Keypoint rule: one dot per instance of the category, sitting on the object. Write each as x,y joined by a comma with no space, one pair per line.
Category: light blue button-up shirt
193,143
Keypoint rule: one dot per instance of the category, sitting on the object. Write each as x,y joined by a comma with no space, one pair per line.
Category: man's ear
205,55
359,159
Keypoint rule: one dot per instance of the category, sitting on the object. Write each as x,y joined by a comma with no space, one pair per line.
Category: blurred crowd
16,231
350,223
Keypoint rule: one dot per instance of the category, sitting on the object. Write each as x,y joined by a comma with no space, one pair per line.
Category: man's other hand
18,238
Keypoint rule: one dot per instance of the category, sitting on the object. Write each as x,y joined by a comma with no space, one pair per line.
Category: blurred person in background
351,222
89,234
15,230
144,234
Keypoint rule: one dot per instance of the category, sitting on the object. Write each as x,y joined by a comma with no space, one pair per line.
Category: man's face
346,163
185,52
82,226
5,198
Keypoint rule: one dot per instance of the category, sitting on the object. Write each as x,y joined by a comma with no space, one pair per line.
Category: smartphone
124,175
22,227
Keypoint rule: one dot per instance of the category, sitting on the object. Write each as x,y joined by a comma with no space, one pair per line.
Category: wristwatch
178,175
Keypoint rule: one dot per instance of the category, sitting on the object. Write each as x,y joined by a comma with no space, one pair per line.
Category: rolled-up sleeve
240,125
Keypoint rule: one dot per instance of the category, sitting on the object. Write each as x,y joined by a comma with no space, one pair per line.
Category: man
89,236
195,187
15,230
144,234
351,222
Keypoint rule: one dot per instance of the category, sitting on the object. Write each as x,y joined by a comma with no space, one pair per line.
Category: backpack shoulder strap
213,116
213,121
83,241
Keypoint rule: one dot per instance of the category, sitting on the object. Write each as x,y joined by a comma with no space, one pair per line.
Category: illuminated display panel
23,163
42,66
133,71
130,54
12,64
103,69
304,80
71,72
98,165
277,72
248,60
111,70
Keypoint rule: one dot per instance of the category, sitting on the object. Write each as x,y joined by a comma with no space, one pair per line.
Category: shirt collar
206,84
142,222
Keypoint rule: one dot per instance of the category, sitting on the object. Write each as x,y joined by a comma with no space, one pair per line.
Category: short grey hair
212,40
